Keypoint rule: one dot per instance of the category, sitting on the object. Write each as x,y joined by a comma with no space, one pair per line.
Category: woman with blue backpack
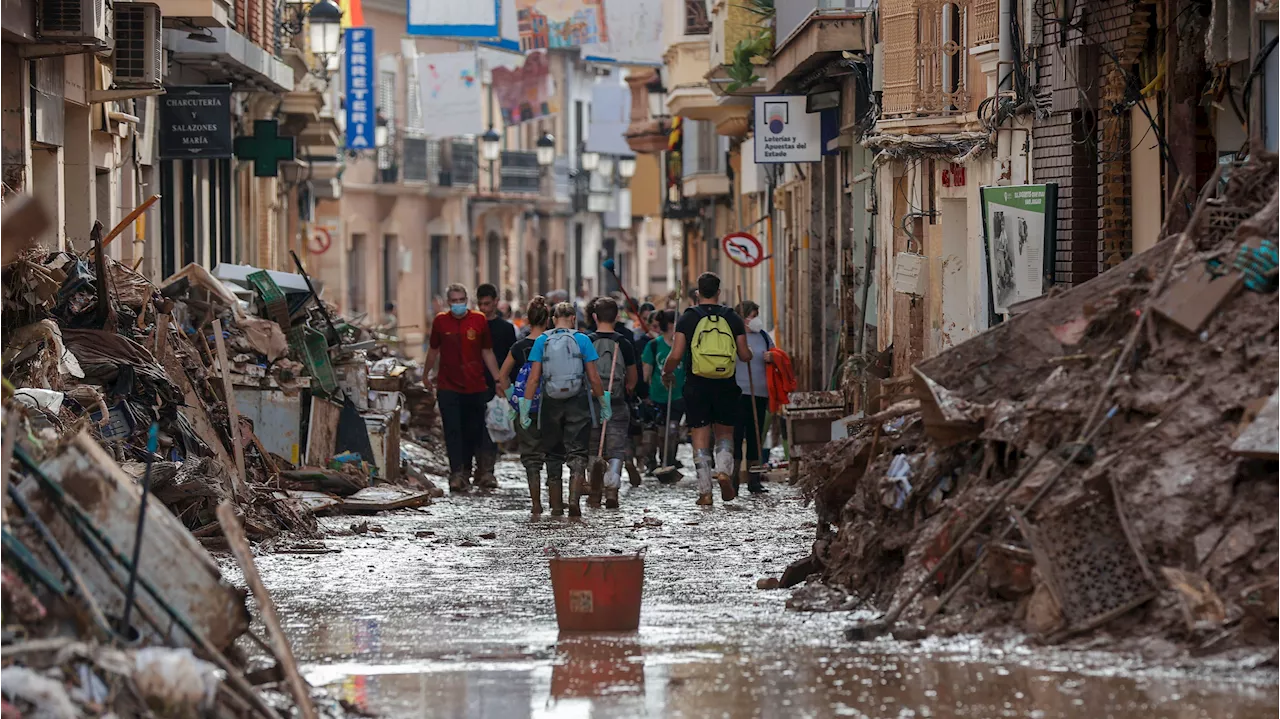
529,439
562,366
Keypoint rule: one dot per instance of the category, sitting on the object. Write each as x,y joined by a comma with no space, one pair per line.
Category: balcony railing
791,13
519,172
986,21
416,159
925,45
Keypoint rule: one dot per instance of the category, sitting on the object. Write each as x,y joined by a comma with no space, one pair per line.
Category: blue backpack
518,386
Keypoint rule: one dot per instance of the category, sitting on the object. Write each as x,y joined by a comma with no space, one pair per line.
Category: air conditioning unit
76,21
138,60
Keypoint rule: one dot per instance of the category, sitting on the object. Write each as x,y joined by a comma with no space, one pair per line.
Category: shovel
597,467
667,474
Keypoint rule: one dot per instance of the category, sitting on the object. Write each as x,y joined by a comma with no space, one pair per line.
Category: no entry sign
743,248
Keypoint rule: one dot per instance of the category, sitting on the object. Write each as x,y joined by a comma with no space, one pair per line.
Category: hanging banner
556,24
526,91
508,27
473,19
358,79
450,94
610,117
641,44
1019,225
784,132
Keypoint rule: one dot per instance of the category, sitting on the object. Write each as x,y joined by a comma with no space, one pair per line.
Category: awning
232,58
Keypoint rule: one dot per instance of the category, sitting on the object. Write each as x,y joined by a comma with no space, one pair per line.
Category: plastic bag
497,419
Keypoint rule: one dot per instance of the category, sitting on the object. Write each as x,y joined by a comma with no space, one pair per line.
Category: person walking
503,335
616,365
460,342
754,385
563,367
513,378
708,336
654,356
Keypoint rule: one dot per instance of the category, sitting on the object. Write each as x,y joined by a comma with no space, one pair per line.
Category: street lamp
627,167
546,148
589,161
604,165
324,22
490,145
657,97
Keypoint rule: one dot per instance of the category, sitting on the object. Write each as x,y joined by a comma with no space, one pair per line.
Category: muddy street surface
429,618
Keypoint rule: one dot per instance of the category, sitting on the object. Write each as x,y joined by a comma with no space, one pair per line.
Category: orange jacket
782,379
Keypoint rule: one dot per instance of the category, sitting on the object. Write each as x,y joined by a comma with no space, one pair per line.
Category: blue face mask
458,309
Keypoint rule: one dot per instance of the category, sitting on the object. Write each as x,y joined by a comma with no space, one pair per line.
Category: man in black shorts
710,338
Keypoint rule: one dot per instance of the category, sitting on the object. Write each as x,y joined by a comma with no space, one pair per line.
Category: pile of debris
1107,456
238,400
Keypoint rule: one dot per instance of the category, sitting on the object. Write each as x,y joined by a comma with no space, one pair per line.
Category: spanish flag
352,13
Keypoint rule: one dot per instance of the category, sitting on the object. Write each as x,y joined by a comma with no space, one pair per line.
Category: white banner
450,94
635,36
473,19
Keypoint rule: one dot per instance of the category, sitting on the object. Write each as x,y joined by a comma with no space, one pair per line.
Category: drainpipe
1004,69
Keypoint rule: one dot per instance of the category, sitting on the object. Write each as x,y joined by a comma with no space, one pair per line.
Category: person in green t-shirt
655,354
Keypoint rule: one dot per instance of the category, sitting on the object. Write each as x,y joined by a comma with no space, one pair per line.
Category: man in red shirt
460,341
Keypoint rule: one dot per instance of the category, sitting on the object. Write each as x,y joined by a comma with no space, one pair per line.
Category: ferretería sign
195,122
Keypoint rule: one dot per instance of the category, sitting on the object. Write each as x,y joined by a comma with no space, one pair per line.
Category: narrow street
430,619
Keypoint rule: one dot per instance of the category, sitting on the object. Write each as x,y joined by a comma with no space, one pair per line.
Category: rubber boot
535,488
577,478
754,485
649,450
612,482
633,473
458,482
485,463
597,483
611,498
555,489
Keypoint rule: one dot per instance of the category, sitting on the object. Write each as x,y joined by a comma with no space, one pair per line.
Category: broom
597,467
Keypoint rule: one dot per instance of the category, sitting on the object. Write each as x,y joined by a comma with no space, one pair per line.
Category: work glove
525,419
606,406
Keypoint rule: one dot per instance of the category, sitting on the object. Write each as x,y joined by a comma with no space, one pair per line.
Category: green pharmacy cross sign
265,147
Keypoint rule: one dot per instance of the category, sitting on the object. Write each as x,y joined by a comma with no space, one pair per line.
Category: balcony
687,59
812,32
704,169
231,58
519,172
200,13
731,24
925,69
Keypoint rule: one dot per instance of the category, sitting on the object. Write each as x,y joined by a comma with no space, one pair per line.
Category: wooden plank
195,411
234,533
1261,439
224,371
322,431
1193,299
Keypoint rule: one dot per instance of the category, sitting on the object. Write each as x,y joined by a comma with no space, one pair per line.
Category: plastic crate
272,297
313,351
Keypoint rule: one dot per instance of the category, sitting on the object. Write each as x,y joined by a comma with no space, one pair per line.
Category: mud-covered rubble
1163,524
188,394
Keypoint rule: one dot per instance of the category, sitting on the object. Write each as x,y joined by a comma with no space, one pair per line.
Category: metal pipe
1005,81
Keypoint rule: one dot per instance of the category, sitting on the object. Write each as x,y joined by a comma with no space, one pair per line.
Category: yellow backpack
714,349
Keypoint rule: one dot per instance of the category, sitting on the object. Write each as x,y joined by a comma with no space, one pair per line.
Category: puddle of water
452,625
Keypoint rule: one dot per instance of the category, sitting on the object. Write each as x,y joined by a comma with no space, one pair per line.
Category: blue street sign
359,74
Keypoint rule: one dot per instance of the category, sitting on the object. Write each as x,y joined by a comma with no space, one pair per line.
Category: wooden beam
224,371
234,533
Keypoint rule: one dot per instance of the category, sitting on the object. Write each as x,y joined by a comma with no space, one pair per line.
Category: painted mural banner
561,24
450,93
1020,231
785,132
526,91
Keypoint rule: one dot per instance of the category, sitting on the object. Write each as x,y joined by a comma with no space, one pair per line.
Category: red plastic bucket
598,594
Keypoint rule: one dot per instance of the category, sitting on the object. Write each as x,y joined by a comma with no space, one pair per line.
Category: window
390,268
386,109
436,269
355,274
696,20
